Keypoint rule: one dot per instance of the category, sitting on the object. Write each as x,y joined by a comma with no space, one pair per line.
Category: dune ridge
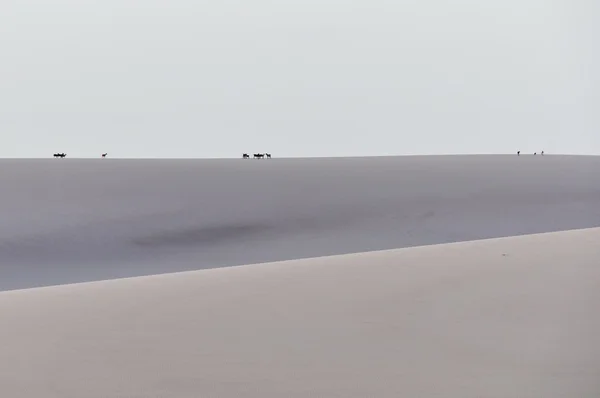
74,220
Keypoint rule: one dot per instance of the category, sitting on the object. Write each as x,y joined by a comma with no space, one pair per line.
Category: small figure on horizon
245,156
535,153
259,156
104,154
542,153
518,153
60,155
268,155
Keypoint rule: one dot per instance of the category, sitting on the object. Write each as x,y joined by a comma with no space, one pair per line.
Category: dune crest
83,220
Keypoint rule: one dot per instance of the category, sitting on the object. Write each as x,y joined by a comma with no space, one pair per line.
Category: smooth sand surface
73,220
511,317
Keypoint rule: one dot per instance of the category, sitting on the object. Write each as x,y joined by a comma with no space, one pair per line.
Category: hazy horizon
291,157
188,79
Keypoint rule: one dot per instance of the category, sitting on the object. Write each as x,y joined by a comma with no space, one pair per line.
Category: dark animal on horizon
245,156
518,153
542,153
535,153
268,155
60,155
104,155
259,155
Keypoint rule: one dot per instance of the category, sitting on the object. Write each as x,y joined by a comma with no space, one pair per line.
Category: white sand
513,317
71,220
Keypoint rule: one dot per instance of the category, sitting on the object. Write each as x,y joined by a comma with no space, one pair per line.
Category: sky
211,79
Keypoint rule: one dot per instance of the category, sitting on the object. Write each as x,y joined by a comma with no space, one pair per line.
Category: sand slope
71,220
513,317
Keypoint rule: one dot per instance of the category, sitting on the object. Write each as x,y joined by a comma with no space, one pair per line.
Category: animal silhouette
104,155
259,155
245,156
268,155
60,155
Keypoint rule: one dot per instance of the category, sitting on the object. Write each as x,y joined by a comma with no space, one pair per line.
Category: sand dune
71,220
512,317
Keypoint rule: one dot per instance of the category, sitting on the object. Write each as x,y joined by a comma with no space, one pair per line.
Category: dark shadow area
84,220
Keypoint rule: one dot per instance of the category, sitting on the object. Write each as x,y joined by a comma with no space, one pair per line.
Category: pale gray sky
190,78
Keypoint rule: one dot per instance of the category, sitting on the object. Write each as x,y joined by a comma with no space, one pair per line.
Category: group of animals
257,156
63,155
246,156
